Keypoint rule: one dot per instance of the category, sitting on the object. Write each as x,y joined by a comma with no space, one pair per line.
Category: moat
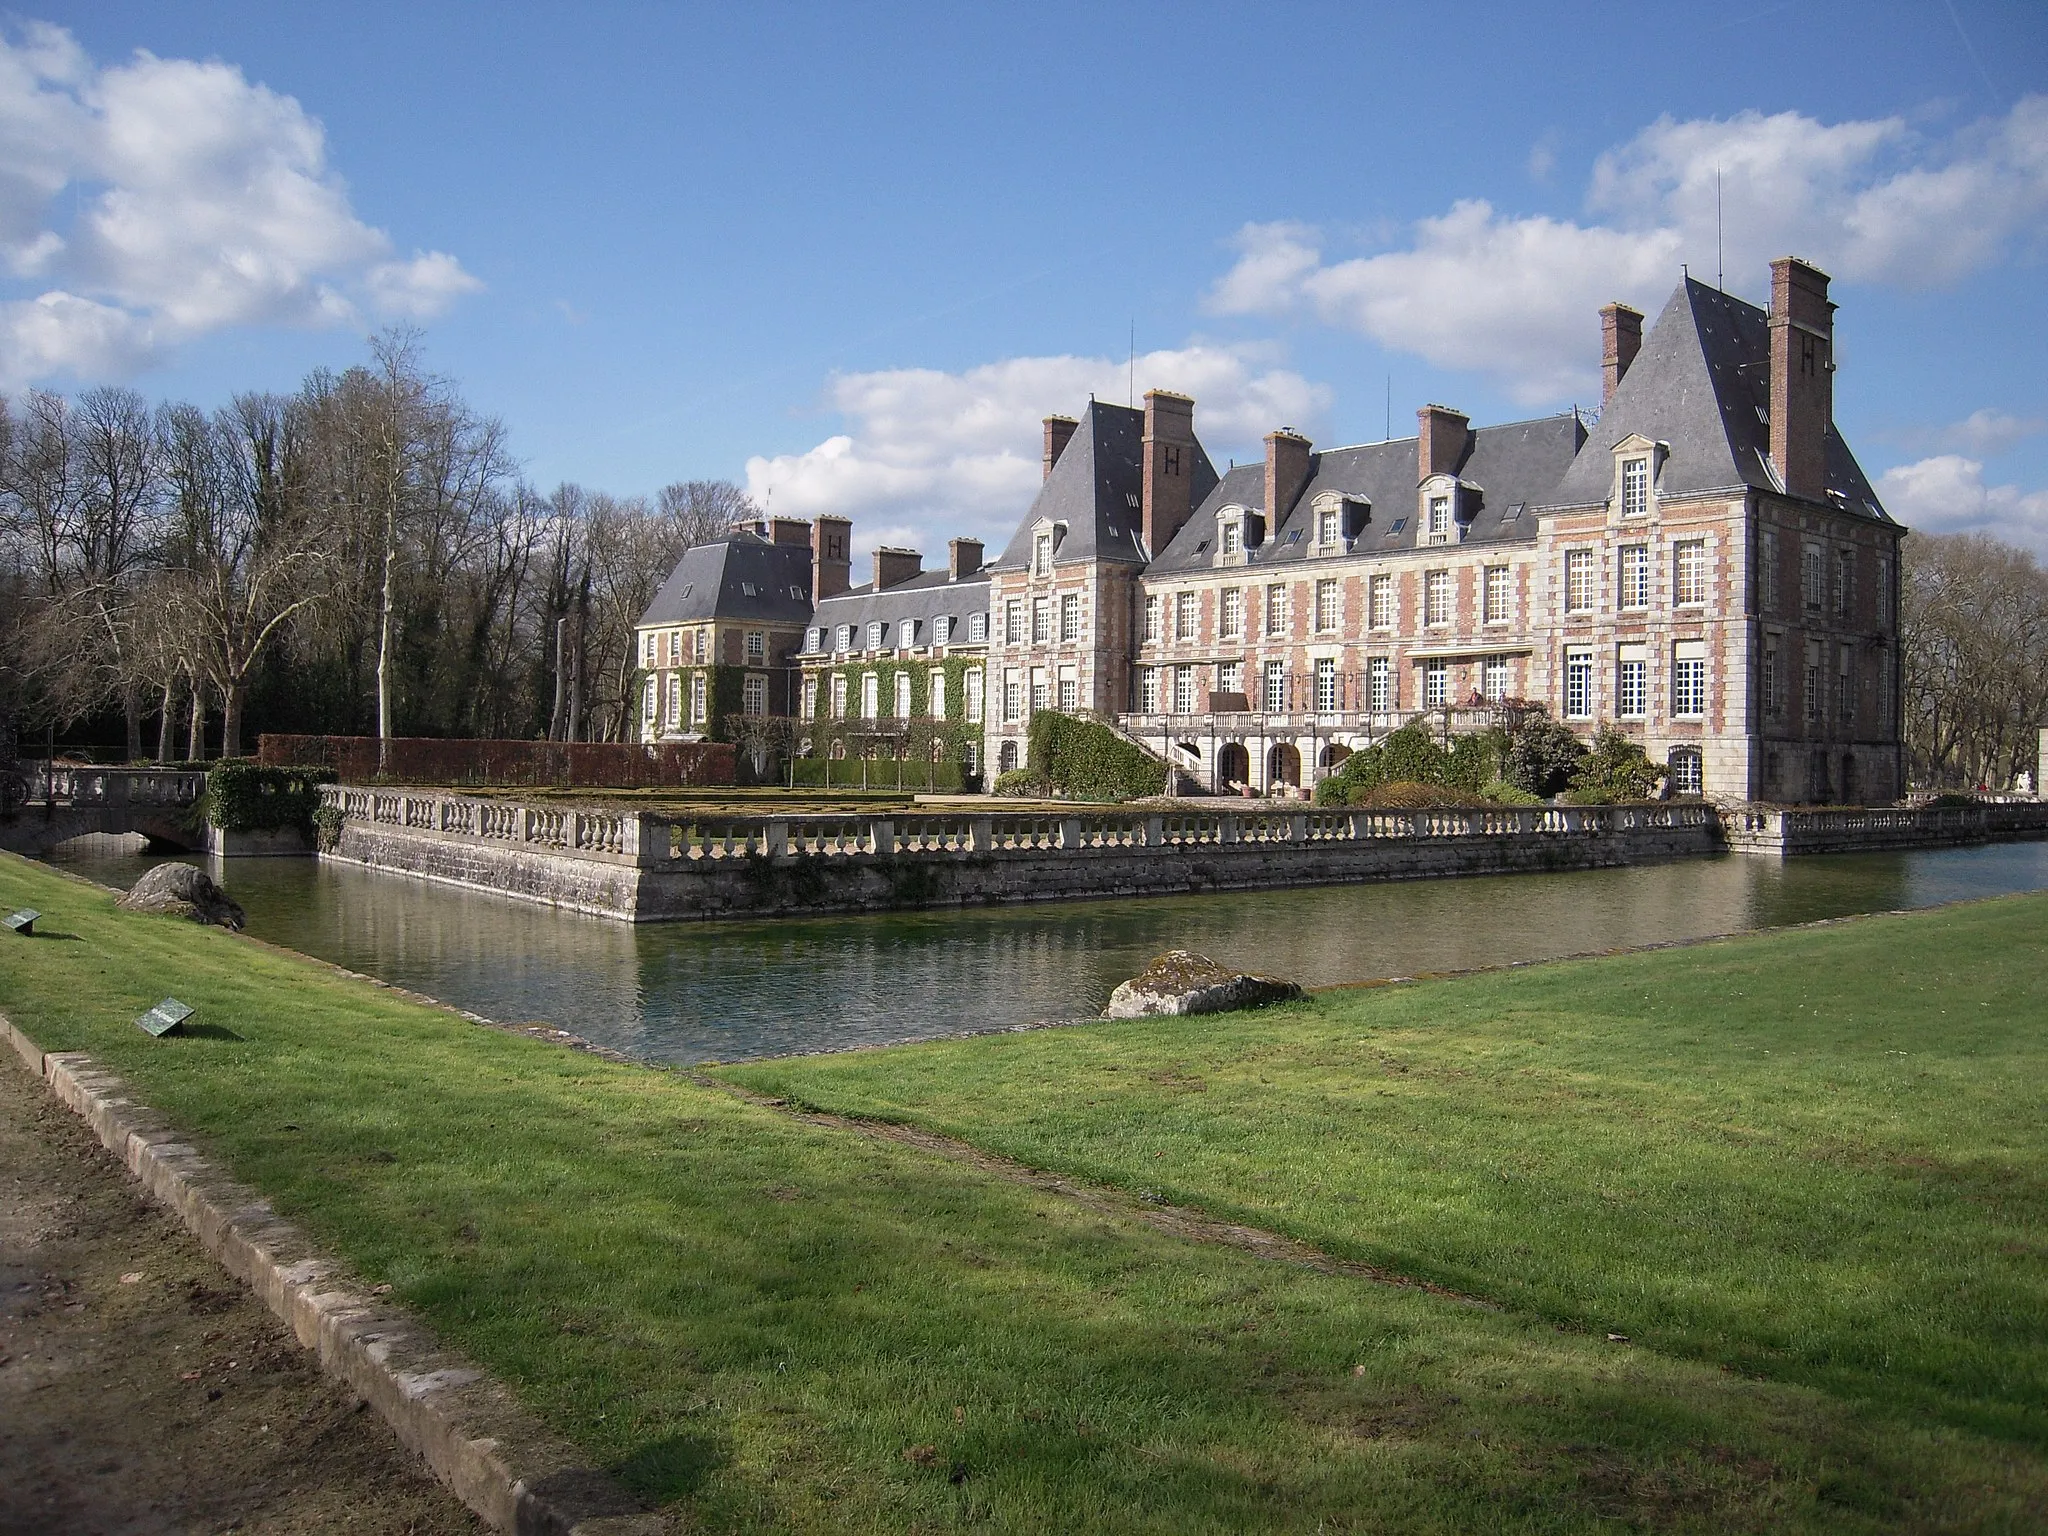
688,993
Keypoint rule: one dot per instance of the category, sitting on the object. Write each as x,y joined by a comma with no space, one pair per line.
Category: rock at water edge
183,890
1182,982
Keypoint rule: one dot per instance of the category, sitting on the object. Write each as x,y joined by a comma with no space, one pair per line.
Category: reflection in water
690,992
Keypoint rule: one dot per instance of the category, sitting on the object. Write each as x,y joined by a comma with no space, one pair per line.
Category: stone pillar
983,834
1227,829
1297,827
1155,831
778,839
883,836
1070,832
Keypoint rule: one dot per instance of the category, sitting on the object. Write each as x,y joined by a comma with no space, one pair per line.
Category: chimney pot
895,565
1621,338
1440,441
788,531
1059,430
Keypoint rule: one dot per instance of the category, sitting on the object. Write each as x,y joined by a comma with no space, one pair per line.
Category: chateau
1703,566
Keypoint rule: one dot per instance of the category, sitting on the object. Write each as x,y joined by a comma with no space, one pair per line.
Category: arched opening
1233,766
1283,766
1687,771
1333,756
1006,757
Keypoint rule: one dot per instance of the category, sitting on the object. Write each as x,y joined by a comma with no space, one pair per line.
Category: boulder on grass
183,890
1181,981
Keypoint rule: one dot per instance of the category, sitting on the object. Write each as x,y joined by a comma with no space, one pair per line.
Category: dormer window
942,630
1329,527
844,640
906,633
1439,531
878,632
1041,554
1635,487
1233,539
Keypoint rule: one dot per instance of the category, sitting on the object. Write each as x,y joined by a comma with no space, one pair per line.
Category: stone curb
494,1456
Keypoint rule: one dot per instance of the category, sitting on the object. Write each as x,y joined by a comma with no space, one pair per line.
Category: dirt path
143,1390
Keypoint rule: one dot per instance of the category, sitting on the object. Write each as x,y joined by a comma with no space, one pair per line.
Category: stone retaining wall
1760,829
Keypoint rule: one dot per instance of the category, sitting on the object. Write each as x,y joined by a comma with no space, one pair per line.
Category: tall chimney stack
963,558
1440,438
1169,481
831,557
894,565
1287,453
788,531
1802,376
1058,431
1621,338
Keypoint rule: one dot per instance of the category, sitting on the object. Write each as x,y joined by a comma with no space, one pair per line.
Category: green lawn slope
763,1323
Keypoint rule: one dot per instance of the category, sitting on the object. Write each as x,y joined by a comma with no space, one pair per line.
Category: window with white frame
1013,621
1495,600
754,694
757,647
1845,685
1326,685
906,633
1379,680
1379,605
1688,679
814,639
1635,487
1815,704
1152,617
1689,572
1578,581
1230,677
1041,555
971,685
1845,583
675,698
1232,611
1233,538
878,634
1070,616
935,694
870,695
1273,688
1041,690
1687,771
1578,685
700,705
809,698
1436,597
1767,572
1329,528
651,707
843,641
1013,695
1041,621
1276,609
675,646
1812,575
1436,684
902,696
1770,678
977,628
1183,615
647,648
1184,690
942,629
1493,677
839,696
1070,690
1328,605
1148,690
1439,524
1635,576
1632,682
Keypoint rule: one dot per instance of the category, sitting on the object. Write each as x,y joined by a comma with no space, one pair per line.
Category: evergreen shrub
242,795
1085,760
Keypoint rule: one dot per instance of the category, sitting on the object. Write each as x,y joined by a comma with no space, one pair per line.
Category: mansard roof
1096,489
740,576
1516,465
1702,384
924,597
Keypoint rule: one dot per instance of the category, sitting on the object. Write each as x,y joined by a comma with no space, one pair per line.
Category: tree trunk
195,741
384,638
231,720
166,734
131,711
561,681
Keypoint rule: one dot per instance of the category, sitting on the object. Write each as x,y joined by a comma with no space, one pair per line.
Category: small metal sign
24,921
165,1018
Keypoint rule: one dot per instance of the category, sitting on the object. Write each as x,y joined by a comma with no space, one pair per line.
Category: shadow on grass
663,1471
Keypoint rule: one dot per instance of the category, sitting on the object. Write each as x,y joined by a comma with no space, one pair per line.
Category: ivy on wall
857,735
1086,760
245,796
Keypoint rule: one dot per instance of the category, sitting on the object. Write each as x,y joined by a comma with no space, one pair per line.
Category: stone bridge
66,802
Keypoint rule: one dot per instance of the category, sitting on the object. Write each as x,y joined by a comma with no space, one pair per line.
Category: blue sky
849,255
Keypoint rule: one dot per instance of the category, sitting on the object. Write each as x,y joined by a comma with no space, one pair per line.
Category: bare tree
1974,659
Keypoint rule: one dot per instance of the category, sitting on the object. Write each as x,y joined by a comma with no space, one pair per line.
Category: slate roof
1095,489
923,597
1702,384
739,576
1516,465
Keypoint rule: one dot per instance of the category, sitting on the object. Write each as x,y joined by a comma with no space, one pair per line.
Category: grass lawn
770,1324
1817,1156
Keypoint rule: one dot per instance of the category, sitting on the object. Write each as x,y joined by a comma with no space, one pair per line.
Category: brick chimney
1287,453
1168,495
1058,431
831,557
1802,376
789,531
963,558
1621,338
1441,435
894,565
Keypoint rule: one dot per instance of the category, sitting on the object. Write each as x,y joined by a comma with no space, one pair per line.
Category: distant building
1704,566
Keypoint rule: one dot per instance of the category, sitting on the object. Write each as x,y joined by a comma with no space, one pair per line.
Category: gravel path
143,1390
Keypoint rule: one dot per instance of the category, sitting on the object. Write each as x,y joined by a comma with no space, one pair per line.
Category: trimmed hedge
245,796
1085,760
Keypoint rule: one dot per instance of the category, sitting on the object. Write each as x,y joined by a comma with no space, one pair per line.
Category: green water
724,991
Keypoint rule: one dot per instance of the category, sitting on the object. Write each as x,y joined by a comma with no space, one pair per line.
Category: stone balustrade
584,832
1849,829
106,786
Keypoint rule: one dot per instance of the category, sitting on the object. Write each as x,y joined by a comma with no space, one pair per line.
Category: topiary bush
1086,760
1018,782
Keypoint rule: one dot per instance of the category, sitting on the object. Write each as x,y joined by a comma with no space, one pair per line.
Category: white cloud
932,454
1989,431
1947,494
200,201
1512,297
